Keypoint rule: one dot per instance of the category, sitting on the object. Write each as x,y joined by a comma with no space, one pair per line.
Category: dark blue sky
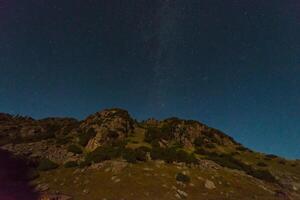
234,65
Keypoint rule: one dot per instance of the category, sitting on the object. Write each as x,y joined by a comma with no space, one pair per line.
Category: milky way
233,65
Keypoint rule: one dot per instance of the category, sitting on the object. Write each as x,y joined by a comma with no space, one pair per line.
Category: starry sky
234,65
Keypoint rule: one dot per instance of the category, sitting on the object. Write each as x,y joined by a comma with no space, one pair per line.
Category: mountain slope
169,159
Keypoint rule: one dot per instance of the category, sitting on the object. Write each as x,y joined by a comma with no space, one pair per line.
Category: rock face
42,149
110,126
186,132
16,129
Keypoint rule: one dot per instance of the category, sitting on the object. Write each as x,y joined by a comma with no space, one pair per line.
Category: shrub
201,151
294,165
178,145
46,164
156,134
74,149
183,156
71,164
261,164
62,141
183,178
157,153
241,148
282,162
170,155
103,153
141,153
199,141
84,138
84,163
230,162
271,156
129,155
112,135
210,145
263,175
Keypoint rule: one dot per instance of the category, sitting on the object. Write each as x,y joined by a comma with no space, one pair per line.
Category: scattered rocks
42,187
85,191
181,194
115,179
209,185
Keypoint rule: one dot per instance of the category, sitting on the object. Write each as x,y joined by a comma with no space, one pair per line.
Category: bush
112,135
84,163
241,148
230,162
210,145
261,164
170,155
183,156
294,165
182,178
84,138
282,162
129,155
46,164
263,175
199,141
103,153
271,156
156,134
62,141
141,153
75,149
201,151
71,164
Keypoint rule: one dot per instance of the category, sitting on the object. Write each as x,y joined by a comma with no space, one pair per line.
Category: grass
157,183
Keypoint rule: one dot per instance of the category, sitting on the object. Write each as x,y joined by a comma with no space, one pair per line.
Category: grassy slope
138,182
159,183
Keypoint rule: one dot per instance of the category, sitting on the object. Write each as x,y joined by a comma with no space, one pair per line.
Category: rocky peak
189,132
109,125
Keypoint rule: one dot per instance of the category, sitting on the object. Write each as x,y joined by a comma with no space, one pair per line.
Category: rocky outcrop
42,149
110,126
186,132
17,129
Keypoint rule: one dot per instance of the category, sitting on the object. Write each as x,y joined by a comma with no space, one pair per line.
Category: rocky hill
111,156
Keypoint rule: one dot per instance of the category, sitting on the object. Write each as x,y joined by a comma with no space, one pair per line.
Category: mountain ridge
112,135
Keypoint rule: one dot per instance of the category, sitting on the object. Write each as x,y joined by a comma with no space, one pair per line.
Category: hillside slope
109,155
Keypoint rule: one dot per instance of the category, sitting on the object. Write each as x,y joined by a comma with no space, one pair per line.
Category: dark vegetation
84,137
46,164
74,149
170,155
261,164
271,156
282,162
155,134
241,148
226,160
71,164
182,178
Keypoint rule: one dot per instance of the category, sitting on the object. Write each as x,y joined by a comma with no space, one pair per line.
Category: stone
209,185
42,187
182,194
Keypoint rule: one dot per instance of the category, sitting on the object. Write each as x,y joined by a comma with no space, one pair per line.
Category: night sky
234,65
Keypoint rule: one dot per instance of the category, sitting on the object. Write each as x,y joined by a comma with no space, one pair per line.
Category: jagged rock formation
109,126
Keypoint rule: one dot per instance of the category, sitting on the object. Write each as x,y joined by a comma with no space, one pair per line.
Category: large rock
209,185
110,125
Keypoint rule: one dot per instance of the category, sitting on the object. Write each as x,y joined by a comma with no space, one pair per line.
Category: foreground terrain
111,156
